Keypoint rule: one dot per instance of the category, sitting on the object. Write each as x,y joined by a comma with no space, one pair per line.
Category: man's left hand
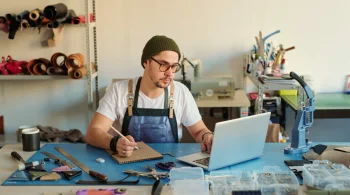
207,142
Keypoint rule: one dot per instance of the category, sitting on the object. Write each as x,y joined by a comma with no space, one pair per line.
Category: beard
160,84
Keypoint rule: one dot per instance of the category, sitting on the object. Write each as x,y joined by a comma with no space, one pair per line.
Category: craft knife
82,166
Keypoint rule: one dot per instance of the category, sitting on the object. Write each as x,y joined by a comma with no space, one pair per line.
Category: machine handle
296,77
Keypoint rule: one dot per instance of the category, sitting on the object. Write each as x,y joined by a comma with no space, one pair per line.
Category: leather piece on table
50,177
75,61
329,154
273,133
52,134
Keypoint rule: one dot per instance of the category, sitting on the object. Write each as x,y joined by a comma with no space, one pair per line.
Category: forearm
98,138
198,136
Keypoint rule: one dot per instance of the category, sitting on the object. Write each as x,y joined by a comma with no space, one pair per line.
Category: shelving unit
271,87
90,57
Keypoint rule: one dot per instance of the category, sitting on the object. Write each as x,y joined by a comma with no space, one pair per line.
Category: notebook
144,153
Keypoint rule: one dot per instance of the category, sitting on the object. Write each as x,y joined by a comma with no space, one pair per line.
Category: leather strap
75,61
171,100
110,182
130,97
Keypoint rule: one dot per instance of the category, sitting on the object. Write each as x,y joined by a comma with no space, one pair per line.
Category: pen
121,135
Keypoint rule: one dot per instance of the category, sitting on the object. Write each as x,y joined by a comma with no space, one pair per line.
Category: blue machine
303,120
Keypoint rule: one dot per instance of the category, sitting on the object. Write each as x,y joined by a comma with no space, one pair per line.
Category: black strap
136,97
111,182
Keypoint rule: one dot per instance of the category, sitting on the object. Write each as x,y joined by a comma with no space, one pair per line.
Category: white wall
218,32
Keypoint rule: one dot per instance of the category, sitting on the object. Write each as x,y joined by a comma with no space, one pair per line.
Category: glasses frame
160,65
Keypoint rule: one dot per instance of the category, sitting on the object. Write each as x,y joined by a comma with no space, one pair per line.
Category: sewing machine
303,120
213,88
206,88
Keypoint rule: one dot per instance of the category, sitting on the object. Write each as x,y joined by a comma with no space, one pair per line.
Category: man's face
159,78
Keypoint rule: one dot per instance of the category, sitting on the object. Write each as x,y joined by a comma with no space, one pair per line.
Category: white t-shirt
114,104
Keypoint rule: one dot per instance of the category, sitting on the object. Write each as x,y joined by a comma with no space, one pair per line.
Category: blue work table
273,156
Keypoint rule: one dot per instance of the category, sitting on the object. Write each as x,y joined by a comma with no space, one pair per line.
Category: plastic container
325,175
271,180
224,182
188,181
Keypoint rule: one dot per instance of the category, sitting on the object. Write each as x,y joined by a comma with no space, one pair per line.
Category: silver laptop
235,141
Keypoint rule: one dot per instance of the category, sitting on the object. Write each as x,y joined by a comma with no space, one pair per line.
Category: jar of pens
267,58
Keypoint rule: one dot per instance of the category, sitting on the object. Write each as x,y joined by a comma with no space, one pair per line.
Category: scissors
152,174
165,166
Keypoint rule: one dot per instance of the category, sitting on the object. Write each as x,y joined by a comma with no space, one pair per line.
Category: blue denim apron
150,125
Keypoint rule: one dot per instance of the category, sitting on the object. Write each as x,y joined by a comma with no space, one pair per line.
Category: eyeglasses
165,67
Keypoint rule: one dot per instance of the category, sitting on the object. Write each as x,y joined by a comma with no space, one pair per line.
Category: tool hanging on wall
303,120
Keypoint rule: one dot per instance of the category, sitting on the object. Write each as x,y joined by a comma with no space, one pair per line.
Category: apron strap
171,99
130,97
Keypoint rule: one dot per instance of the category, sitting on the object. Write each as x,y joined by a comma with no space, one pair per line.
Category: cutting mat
87,155
273,156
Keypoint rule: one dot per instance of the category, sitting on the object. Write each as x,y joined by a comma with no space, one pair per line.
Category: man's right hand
126,147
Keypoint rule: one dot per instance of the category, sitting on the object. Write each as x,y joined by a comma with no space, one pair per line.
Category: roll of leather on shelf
9,16
24,24
57,64
78,73
38,66
3,24
35,14
71,15
56,11
52,24
22,15
75,61
56,71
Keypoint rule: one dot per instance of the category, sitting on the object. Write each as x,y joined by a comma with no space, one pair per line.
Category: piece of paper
144,153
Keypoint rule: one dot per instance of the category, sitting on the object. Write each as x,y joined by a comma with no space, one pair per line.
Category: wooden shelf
42,77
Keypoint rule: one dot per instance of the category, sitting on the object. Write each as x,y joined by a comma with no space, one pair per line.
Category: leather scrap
35,175
52,134
50,177
71,174
61,168
330,154
319,148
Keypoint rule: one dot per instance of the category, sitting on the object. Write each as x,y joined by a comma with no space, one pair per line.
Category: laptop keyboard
203,161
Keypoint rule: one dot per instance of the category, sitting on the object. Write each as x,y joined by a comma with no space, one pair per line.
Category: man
150,108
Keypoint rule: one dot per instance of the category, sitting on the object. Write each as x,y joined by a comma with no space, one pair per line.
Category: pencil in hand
121,135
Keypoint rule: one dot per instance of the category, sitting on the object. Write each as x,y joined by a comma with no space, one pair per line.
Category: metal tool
82,166
62,162
153,173
303,120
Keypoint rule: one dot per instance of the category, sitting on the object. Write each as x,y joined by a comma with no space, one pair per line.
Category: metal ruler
82,166
62,162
